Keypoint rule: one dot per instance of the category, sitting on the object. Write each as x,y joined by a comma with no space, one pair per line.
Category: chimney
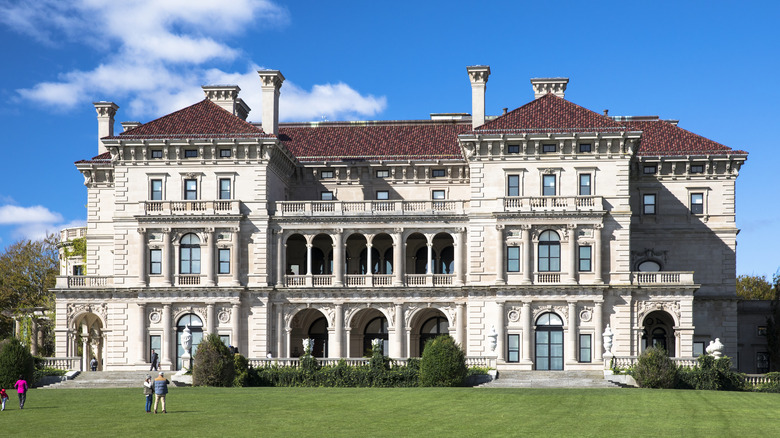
106,112
126,126
542,86
478,75
271,82
226,96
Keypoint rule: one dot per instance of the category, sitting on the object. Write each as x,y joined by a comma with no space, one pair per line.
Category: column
85,353
525,321
142,250
501,331
176,267
280,339
338,260
167,258
210,259
287,341
398,258
528,267
280,262
396,348
235,261
33,336
571,276
235,322
338,349
369,261
429,261
598,321
210,321
571,334
458,246
309,246
460,326
597,254
500,249
140,334
168,343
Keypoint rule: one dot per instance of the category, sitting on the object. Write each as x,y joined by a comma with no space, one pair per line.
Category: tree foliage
443,363
15,361
755,287
654,369
773,330
214,364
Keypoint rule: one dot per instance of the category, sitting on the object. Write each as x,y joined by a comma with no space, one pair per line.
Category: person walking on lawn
160,391
21,390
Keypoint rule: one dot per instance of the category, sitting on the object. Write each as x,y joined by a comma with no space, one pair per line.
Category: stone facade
540,226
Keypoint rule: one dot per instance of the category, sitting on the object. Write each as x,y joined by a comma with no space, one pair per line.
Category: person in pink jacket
21,389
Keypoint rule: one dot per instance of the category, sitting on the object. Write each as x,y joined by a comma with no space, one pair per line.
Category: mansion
523,236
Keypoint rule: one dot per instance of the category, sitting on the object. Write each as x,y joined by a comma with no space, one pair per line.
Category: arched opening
432,328
295,264
318,331
549,342
425,324
383,243
658,331
375,329
444,254
189,254
88,342
549,252
355,260
417,254
322,255
365,325
196,330
308,324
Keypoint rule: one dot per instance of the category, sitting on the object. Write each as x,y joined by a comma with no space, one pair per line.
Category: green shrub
15,361
655,369
711,374
214,364
773,385
241,368
443,363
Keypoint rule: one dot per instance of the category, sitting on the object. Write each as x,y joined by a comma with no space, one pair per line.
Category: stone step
550,379
107,379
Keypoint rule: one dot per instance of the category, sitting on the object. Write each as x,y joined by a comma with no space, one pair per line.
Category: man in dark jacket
160,390
155,361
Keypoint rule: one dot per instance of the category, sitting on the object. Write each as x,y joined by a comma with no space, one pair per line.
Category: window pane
697,203
513,259
438,194
190,189
156,190
585,355
548,185
382,194
585,258
224,188
649,204
224,261
513,350
585,185
513,185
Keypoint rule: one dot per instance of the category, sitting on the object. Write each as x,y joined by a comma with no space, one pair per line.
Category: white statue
717,349
608,335
493,338
376,343
186,339
308,345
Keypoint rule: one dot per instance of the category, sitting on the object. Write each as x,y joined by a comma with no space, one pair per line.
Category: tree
755,287
214,364
773,329
443,363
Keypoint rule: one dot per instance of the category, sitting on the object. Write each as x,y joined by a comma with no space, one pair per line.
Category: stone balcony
375,280
72,233
83,281
562,204
369,208
662,278
179,208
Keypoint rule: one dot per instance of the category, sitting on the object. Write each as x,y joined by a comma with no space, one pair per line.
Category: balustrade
191,207
557,203
368,208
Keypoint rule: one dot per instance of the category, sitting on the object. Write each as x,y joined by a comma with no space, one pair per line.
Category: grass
429,412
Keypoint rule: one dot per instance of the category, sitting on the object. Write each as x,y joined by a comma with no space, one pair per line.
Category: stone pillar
525,321
235,260
309,246
500,249
167,258
176,266
598,340
142,250
338,259
571,334
280,339
597,253
528,267
210,259
85,351
33,336
369,261
571,276
429,261
210,319
501,331
460,325
280,261
398,258
288,341
459,244
235,323
140,334
338,346
168,342
396,347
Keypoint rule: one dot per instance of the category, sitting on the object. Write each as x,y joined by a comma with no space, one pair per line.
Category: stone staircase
550,379
106,379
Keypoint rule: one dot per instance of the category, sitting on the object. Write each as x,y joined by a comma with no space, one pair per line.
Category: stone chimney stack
271,82
542,86
478,75
226,96
106,112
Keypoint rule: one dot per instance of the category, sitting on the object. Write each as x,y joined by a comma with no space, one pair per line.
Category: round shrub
443,363
15,361
655,369
214,364
241,368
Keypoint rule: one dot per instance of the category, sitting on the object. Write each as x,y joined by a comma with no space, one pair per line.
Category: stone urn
493,338
717,349
608,336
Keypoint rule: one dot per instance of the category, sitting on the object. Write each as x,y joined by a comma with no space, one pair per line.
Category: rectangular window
224,188
438,194
650,170
155,344
585,348
697,168
512,259
156,153
513,185
697,203
585,184
225,153
513,348
548,185
761,330
225,339
698,349
78,270
585,257
382,195
326,174
384,173
548,148
648,204
224,261
190,189
762,362
326,196
438,173
156,192
155,261
513,149
585,147
190,153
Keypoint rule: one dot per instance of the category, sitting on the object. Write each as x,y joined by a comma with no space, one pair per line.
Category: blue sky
712,65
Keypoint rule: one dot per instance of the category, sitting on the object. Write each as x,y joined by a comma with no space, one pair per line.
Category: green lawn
396,412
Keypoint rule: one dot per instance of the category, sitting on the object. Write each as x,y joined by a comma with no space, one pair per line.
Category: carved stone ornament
224,315
513,315
155,316
99,309
586,315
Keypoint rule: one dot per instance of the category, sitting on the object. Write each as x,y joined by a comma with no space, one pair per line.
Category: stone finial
105,115
542,86
271,82
478,75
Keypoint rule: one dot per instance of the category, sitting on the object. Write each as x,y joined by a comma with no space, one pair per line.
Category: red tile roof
205,119
663,138
105,157
393,140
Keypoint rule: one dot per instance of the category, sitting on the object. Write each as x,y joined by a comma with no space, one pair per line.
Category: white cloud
15,215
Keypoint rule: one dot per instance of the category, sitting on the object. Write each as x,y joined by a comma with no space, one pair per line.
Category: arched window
433,327
319,333
196,330
649,266
549,252
375,329
189,254
659,338
549,342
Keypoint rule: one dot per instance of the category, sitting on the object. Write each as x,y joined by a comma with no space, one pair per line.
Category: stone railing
62,363
364,280
190,207
547,277
83,281
756,379
673,278
188,279
294,362
368,208
553,203
629,361
72,233
481,361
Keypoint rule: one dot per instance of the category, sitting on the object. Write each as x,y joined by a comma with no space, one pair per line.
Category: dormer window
513,149
438,173
190,153
326,174
548,148
650,170
157,153
225,153
697,168
586,148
